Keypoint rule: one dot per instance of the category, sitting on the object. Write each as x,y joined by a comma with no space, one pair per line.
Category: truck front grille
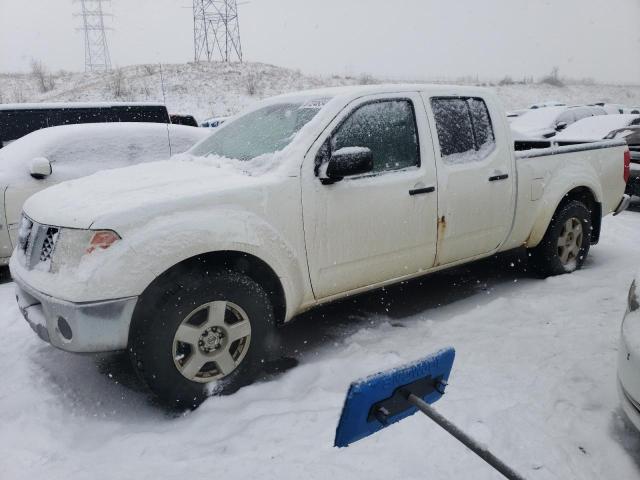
48,244
37,243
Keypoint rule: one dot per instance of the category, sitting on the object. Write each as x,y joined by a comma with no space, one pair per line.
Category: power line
216,31
96,48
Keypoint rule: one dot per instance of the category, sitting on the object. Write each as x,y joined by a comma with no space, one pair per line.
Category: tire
223,318
566,243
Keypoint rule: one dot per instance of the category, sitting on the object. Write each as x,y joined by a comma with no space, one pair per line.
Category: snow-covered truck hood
126,195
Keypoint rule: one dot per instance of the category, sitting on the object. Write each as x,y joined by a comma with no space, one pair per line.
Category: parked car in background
632,136
548,121
17,120
186,120
610,108
214,122
515,114
548,103
307,198
629,357
52,155
596,128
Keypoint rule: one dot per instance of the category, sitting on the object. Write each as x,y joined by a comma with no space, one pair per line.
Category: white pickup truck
191,263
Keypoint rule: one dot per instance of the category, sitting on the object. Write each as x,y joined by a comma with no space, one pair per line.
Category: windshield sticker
315,103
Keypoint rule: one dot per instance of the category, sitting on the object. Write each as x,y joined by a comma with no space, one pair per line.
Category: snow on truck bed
534,378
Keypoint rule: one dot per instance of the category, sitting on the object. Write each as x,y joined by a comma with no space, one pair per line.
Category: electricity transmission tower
96,48
216,30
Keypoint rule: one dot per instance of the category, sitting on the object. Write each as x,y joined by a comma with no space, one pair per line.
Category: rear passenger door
475,177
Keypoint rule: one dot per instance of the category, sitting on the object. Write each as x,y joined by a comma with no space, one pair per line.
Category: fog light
64,329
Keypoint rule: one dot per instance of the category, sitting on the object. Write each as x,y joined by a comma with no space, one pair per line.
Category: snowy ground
534,378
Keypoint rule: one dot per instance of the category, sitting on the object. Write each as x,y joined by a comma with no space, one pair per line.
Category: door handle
502,176
418,191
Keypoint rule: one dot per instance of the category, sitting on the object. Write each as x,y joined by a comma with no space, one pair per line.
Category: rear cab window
464,127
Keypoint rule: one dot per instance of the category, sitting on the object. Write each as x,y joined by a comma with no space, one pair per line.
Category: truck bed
547,172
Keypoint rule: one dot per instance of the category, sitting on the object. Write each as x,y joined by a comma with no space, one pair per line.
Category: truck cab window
465,132
388,128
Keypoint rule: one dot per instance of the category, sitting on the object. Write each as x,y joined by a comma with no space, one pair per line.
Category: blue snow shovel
375,402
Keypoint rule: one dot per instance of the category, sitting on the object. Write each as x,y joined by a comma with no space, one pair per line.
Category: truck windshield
263,131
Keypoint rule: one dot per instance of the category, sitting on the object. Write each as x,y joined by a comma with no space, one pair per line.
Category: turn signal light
102,239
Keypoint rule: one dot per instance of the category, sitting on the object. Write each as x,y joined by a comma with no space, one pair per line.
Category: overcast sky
415,39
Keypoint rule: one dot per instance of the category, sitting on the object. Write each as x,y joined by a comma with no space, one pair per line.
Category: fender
557,187
224,229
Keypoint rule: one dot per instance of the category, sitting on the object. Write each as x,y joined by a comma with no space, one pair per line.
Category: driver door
371,228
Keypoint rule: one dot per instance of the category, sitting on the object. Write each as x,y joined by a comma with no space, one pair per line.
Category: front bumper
630,407
629,366
76,327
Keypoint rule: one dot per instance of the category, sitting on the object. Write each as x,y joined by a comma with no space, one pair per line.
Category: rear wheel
200,333
566,243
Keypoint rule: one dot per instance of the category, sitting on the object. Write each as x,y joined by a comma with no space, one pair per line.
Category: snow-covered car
547,122
214,122
548,103
52,155
190,264
629,358
610,108
183,119
515,114
596,128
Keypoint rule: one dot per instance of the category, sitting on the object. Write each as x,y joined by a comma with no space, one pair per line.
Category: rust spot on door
442,227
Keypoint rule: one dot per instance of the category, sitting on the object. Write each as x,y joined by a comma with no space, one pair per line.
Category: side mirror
561,126
40,168
346,162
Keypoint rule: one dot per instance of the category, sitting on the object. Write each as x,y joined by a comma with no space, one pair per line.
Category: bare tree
149,69
507,80
44,79
18,93
252,83
118,84
366,79
553,78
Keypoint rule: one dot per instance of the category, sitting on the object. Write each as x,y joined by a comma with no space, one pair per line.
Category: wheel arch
235,260
586,195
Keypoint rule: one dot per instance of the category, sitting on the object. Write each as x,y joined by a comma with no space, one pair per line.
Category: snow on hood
145,189
595,128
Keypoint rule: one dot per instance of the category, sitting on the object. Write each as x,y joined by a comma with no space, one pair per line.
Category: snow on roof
356,90
56,105
595,128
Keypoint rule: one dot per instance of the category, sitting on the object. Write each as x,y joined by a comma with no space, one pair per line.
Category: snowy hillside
217,89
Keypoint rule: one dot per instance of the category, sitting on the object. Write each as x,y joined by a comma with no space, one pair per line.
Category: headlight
73,244
632,301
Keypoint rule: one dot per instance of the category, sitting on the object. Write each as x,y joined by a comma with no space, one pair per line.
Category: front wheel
200,333
566,243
